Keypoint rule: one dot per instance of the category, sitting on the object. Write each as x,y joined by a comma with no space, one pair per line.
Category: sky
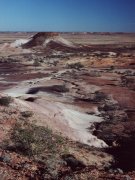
68,15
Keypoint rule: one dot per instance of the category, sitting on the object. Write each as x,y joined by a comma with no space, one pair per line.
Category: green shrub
34,140
38,143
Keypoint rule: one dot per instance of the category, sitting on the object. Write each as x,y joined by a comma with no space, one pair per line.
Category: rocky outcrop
48,39
39,39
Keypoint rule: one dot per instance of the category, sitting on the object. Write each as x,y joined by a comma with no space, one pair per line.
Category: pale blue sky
67,15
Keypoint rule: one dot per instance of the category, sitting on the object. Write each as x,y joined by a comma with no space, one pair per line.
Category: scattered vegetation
27,114
99,96
128,82
34,141
5,100
55,63
36,63
112,68
77,66
40,144
94,73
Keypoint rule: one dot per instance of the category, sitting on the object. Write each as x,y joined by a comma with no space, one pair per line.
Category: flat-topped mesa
45,39
39,39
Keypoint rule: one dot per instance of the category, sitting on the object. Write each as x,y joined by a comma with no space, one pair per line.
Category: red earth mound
39,39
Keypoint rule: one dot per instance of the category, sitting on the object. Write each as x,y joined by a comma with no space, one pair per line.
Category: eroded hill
85,92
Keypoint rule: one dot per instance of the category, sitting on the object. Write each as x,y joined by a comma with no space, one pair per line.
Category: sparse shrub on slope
5,100
40,144
27,114
77,66
36,63
35,141
94,73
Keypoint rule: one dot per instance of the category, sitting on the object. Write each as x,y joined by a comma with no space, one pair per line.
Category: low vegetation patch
77,66
94,73
5,100
38,143
36,63
27,114
35,141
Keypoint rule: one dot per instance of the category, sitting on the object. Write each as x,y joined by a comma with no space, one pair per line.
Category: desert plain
81,86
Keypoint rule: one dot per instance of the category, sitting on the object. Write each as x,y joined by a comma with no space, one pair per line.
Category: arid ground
81,86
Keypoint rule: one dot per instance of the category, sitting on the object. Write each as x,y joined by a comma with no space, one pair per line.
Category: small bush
5,101
112,68
99,96
36,63
77,65
27,114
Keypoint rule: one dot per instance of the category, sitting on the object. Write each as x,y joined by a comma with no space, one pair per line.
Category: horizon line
121,32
